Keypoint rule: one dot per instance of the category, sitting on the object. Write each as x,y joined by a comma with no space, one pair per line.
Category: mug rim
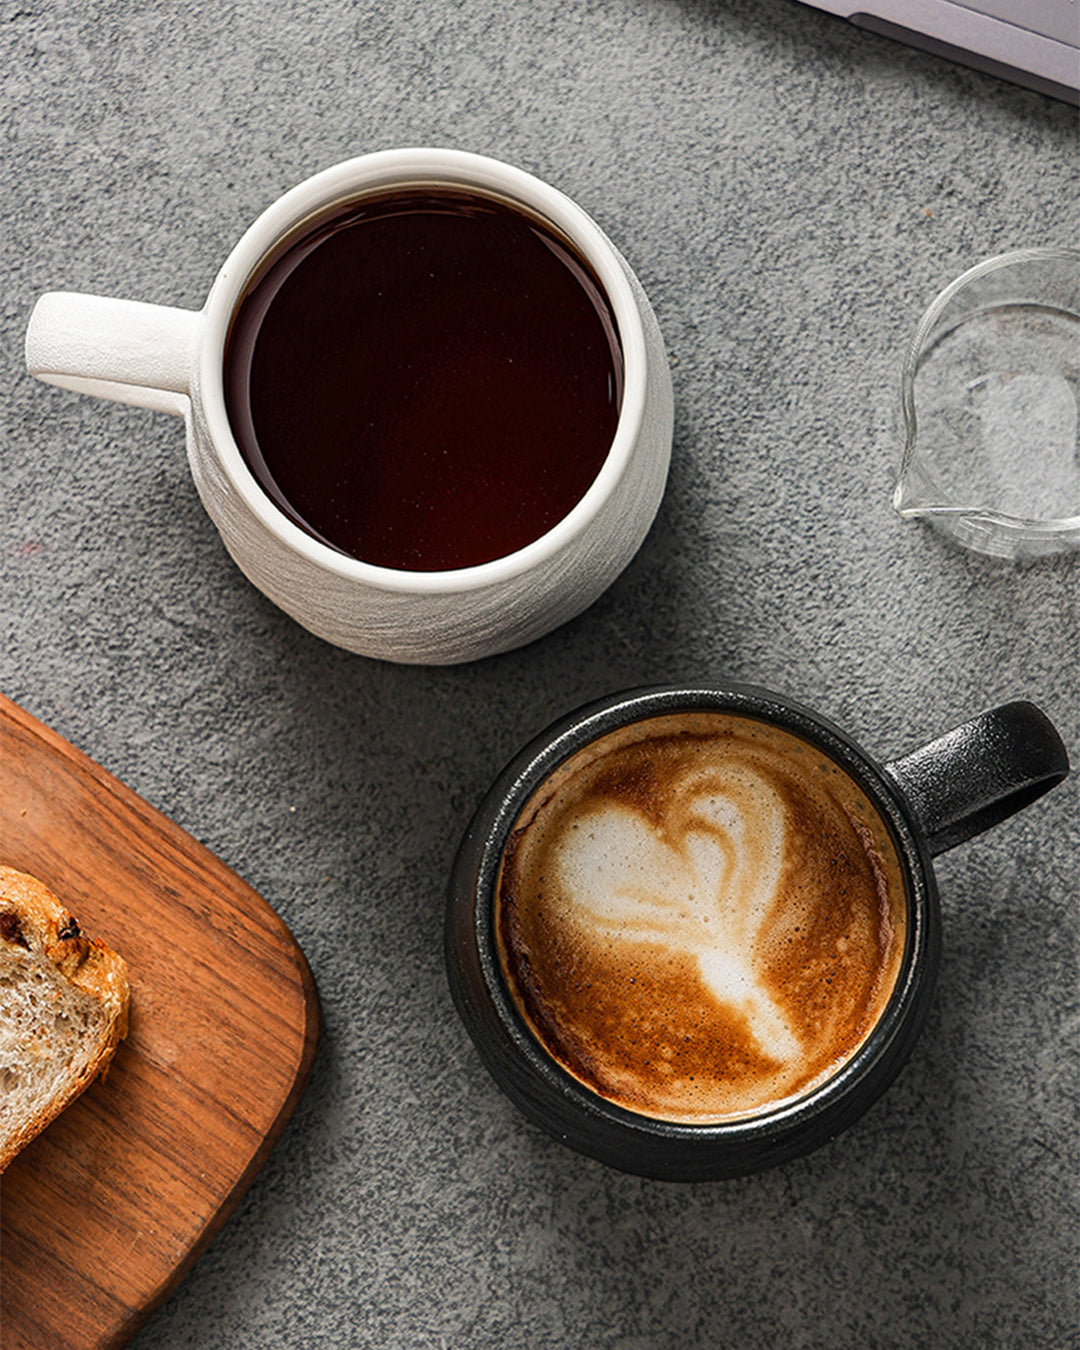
885,1048
392,168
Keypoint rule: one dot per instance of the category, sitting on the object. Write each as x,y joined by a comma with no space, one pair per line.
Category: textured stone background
792,193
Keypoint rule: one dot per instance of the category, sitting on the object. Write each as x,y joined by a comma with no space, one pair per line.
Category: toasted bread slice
63,1009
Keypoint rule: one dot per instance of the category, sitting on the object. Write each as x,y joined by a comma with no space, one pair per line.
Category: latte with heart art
700,916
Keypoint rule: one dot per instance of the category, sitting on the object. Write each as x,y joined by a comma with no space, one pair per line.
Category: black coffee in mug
426,378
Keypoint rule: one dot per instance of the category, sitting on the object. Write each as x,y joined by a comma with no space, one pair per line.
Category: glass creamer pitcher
990,393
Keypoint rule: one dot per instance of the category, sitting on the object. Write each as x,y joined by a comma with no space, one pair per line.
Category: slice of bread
63,1009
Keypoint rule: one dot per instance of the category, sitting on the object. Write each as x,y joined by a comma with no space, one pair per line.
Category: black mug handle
980,773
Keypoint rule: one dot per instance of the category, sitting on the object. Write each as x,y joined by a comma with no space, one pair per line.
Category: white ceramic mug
172,360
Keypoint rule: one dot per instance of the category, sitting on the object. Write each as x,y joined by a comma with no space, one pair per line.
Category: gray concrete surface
792,193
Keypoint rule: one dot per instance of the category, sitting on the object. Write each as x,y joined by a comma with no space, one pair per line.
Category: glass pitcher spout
916,496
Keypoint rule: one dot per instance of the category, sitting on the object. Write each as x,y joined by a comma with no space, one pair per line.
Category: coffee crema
700,916
426,378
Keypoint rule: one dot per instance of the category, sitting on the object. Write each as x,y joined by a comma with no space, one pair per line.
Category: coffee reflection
700,916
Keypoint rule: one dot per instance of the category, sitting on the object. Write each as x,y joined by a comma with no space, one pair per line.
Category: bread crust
34,920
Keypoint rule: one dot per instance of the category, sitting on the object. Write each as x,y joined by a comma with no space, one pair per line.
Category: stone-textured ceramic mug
171,360
930,800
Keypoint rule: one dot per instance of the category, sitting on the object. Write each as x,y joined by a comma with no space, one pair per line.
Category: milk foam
703,883
701,916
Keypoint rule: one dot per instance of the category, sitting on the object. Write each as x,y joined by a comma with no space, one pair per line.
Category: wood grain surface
104,1213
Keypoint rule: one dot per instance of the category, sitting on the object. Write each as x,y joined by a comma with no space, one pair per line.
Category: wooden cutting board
105,1212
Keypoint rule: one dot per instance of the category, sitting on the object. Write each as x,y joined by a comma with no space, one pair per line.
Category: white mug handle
120,349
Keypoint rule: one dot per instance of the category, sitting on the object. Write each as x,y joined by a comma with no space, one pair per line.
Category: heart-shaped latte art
703,882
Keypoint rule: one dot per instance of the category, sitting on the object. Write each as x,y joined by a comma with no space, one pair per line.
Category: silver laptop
1035,43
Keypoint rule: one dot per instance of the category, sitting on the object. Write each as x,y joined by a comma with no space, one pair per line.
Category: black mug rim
887,1045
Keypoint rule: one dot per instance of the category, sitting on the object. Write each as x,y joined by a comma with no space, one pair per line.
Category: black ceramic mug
694,933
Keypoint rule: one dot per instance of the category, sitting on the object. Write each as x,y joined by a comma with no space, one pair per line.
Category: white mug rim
388,168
